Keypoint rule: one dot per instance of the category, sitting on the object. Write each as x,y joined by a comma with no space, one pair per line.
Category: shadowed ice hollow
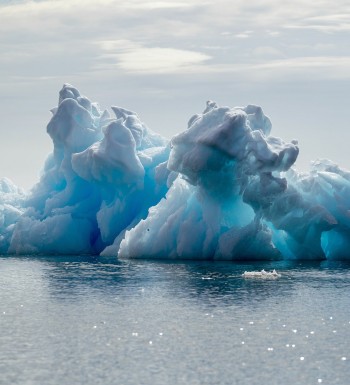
223,189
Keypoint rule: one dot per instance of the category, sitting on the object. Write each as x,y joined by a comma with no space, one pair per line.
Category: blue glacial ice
223,189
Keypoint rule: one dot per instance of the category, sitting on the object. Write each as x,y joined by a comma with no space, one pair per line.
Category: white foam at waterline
261,274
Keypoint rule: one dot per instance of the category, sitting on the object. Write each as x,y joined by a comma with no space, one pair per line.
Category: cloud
306,67
267,51
134,58
243,35
160,60
151,5
326,27
58,37
46,5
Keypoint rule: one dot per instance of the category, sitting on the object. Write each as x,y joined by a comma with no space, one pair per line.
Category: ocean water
77,321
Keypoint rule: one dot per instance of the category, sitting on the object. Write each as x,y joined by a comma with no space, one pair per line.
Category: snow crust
223,189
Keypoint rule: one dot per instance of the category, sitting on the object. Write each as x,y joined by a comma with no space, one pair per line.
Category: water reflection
210,284
207,283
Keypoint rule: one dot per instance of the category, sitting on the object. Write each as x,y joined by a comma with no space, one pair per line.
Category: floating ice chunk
261,274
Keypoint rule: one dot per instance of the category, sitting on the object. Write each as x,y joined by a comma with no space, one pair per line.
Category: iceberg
223,189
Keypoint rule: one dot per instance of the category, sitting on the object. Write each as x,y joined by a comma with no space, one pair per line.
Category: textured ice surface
223,189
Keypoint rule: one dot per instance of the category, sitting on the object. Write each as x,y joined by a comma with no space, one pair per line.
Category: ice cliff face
223,189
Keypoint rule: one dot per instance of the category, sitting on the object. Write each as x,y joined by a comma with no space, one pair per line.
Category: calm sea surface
77,321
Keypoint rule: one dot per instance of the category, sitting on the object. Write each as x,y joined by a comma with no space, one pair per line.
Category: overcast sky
164,59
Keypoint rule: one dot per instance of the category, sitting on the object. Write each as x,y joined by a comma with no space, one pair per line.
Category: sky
165,59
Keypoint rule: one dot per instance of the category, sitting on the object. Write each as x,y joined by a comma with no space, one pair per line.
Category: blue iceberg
224,189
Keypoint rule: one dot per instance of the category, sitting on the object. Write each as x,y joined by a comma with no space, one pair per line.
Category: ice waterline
223,189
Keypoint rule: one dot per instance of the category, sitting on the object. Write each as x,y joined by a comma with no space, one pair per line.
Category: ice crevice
223,189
